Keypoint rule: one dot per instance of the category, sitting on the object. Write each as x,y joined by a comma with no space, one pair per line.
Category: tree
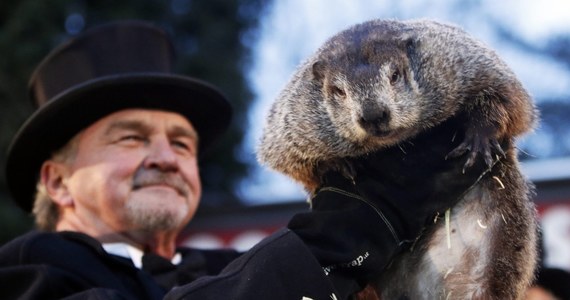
211,41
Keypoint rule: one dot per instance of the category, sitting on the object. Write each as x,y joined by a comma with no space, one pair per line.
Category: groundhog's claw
475,144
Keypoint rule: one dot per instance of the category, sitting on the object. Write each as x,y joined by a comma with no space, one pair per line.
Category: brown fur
492,253
382,82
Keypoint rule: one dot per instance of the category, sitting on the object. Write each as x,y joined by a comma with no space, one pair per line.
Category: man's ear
54,177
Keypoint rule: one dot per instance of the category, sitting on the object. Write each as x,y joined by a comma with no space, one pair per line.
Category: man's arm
279,267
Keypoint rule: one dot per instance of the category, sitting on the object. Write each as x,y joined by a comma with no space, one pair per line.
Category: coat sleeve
279,267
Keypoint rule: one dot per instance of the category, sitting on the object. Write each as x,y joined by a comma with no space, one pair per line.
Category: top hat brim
55,123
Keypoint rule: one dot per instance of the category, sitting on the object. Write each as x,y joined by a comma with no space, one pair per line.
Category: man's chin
158,213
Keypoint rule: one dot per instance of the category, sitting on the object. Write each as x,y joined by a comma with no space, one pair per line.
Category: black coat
67,264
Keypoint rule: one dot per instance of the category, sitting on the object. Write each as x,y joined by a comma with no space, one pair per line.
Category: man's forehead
148,118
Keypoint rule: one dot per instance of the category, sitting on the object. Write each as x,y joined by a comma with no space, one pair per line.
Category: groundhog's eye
395,77
336,91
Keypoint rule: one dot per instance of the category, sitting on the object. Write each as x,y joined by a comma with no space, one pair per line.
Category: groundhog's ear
412,47
319,71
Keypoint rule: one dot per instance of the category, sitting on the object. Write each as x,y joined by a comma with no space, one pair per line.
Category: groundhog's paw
477,142
341,166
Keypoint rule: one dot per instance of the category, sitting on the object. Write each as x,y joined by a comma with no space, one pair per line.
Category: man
113,151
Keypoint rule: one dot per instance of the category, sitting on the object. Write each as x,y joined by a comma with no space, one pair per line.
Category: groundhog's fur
383,82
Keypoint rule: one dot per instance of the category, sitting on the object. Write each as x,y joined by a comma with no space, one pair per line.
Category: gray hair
46,211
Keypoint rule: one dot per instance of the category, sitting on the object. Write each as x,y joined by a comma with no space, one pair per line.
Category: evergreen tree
211,38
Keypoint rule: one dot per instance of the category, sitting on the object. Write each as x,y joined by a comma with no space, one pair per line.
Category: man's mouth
160,185
153,178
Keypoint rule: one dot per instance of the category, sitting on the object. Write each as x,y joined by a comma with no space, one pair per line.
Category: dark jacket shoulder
48,247
44,265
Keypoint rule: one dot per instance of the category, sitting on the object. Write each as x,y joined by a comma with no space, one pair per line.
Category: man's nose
161,155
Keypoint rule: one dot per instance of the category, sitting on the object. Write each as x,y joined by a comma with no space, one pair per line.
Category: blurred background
250,48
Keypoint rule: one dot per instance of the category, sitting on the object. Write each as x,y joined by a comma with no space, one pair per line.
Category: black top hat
112,67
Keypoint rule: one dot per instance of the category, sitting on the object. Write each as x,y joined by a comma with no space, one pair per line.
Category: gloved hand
350,237
358,224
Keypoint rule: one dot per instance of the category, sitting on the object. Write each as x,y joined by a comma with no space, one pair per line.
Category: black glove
348,235
358,224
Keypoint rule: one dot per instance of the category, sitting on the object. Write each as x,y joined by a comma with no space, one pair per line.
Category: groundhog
377,86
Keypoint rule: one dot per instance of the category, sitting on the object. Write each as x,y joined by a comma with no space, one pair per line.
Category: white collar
134,254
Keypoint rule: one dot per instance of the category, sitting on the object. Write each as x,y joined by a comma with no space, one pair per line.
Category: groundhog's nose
375,120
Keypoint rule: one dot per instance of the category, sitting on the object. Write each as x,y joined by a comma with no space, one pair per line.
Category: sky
293,29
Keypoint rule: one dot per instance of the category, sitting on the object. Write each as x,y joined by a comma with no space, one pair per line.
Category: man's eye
179,144
183,146
132,138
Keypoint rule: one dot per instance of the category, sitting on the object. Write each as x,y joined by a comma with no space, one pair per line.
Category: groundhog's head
368,86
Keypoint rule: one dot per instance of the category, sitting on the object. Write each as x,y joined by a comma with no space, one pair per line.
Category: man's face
136,170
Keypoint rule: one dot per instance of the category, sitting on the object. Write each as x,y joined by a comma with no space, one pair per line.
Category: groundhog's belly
458,251
454,264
